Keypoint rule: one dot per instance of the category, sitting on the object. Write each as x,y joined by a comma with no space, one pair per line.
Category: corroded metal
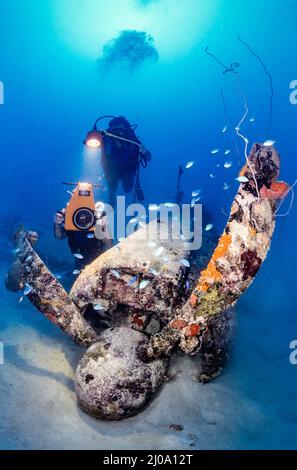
47,294
203,325
114,279
113,382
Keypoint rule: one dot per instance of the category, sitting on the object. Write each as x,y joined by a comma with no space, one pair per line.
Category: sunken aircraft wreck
132,312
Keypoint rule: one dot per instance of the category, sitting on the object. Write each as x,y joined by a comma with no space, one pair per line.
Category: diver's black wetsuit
83,243
89,248
120,159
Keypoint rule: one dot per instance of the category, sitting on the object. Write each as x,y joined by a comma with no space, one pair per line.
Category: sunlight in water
175,25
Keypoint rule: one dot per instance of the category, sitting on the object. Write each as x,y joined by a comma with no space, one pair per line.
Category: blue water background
53,93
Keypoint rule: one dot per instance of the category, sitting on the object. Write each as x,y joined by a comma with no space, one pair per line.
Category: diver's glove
145,154
59,220
60,217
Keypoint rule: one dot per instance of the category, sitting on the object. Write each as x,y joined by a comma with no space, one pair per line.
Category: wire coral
268,74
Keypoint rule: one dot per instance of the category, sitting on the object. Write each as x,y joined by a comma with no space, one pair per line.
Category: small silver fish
28,259
214,151
252,119
78,256
75,272
227,165
21,299
269,143
185,262
159,251
169,204
196,193
153,207
153,271
224,130
190,164
58,276
115,273
132,280
211,175
27,289
90,235
133,221
226,186
208,227
144,284
227,152
98,307
242,179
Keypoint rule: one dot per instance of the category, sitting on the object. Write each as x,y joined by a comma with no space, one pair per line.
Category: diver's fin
179,193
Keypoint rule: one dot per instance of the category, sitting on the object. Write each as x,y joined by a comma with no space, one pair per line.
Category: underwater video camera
80,211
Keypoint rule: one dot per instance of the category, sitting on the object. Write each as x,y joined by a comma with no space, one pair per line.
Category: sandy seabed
242,409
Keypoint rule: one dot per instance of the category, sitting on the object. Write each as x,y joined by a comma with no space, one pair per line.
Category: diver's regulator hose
142,160
120,138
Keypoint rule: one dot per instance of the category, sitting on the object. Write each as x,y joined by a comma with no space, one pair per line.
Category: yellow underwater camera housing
80,210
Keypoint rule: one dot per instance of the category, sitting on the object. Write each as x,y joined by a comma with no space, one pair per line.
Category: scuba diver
120,160
84,245
122,155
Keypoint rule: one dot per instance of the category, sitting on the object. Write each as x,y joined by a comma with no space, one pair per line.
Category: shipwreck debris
124,367
46,293
111,381
205,323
